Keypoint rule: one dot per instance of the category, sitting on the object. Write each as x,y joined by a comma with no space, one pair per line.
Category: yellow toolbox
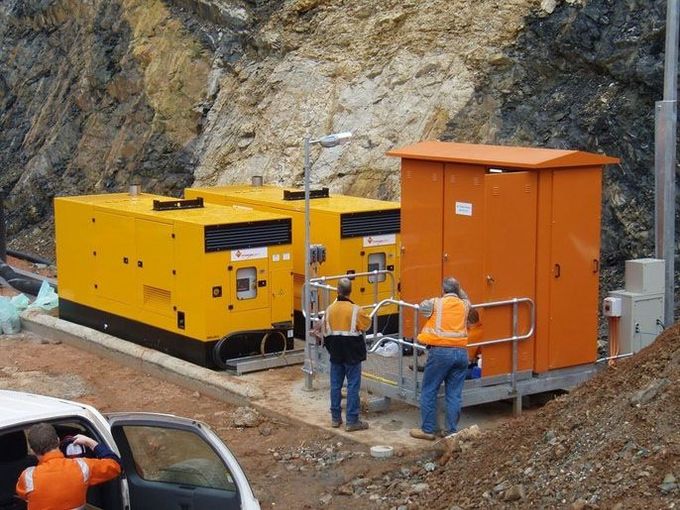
206,283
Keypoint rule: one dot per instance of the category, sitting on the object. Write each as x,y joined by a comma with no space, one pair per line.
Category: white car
168,461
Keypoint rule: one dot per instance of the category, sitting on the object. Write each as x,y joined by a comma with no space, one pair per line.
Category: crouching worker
343,326
446,335
60,482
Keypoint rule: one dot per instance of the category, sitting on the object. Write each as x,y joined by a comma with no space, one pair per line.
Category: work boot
360,425
421,434
336,423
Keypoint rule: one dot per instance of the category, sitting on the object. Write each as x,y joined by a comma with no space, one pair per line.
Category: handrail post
375,300
416,328
401,349
517,399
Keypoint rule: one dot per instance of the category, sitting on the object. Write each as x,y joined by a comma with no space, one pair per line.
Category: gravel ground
614,442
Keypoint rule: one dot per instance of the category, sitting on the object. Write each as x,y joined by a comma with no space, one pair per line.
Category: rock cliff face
96,94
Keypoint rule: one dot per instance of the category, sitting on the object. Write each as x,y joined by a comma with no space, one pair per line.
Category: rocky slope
94,95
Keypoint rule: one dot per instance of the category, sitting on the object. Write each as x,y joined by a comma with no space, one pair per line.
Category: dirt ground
289,465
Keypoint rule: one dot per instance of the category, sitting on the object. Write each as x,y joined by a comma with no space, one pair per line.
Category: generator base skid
258,362
251,344
212,354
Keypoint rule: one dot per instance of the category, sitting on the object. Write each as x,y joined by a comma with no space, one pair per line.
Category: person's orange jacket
58,483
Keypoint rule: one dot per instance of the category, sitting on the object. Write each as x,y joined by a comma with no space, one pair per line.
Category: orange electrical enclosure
507,222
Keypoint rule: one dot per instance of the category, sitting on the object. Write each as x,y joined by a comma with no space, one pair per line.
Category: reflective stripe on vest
84,469
438,331
28,479
352,328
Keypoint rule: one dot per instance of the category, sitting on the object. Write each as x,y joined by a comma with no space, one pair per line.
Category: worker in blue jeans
446,335
343,327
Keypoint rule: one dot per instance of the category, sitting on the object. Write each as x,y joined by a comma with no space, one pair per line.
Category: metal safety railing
404,385
319,286
408,388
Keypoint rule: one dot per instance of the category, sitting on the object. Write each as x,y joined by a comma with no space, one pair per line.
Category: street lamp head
334,139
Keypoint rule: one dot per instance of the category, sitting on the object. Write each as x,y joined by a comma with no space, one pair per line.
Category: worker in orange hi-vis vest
343,327
58,482
446,335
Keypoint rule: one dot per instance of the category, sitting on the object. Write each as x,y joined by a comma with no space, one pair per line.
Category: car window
176,456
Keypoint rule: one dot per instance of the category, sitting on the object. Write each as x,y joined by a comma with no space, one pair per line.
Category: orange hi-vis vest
447,326
58,483
344,318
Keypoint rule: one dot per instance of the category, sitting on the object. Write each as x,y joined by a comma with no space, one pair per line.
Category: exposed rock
669,483
246,417
345,490
579,504
650,392
514,493
419,487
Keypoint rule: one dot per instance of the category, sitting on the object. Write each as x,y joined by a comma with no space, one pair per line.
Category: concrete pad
275,392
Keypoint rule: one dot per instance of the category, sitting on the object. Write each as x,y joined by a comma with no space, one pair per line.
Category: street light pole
309,373
326,142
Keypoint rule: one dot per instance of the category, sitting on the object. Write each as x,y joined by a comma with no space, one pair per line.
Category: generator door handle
558,270
596,265
446,257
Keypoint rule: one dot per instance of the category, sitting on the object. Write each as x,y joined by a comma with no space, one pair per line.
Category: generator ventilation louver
370,223
247,235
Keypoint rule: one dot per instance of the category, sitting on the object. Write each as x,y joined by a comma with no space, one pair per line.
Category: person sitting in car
60,482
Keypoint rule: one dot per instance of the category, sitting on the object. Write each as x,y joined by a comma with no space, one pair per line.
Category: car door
178,463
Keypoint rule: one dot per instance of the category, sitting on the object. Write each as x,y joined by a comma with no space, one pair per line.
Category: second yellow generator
206,283
359,234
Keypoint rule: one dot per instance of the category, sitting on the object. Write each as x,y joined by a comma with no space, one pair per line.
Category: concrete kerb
296,406
218,385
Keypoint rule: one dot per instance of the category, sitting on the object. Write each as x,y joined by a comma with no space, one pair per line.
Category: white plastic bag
388,350
20,302
46,299
9,317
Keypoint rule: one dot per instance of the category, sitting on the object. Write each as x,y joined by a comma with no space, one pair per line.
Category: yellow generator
359,234
206,283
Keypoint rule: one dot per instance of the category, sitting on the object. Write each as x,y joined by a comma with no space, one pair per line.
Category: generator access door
114,255
155,265
249,279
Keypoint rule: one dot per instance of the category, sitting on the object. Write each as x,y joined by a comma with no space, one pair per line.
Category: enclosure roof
501,156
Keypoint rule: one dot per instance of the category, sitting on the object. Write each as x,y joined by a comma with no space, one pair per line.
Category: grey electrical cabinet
642,304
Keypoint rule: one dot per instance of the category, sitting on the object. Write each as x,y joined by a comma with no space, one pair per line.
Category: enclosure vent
156,298
247,235
370,223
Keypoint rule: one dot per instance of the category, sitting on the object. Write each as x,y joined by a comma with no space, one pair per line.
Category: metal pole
309,373
665,161
517,399
3,229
